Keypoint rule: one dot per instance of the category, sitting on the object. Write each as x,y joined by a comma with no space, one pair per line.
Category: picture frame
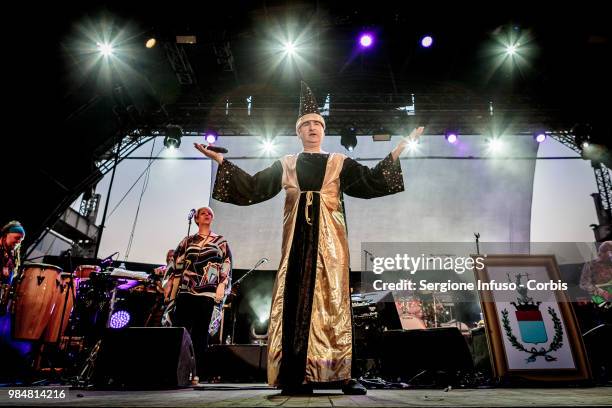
531,334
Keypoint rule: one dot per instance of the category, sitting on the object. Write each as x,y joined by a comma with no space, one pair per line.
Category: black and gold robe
310,333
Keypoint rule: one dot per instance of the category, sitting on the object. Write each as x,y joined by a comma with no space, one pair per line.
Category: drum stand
83,379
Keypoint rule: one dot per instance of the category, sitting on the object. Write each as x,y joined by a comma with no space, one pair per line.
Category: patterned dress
202,263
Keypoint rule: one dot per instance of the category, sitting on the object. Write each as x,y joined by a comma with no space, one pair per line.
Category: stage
252,395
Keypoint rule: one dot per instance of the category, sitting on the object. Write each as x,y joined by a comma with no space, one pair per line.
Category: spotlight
539,137
582,134
119,319
268,146
105,49
495,144
289,48
412,145
151,43
348,138
173,137
511,50
211,136
259,330
451,136
426,41
366,40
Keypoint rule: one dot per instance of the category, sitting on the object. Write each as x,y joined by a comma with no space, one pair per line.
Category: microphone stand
252,269
236,284
189,219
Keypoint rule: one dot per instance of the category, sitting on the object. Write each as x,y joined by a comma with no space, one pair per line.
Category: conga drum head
27,265
36,290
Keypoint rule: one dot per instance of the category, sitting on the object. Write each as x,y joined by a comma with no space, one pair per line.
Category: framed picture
531,327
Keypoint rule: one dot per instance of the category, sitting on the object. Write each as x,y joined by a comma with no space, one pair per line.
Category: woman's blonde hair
204,208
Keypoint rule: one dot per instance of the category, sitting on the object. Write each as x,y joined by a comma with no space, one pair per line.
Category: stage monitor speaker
145,357
406,352
236,363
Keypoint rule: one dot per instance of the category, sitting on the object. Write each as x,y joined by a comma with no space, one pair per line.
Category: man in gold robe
310,331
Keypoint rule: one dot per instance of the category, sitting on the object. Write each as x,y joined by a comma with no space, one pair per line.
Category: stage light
105,49
451,136
539,137
289,48
348,138
173,137
151,43
268,146
366,40
495,145
511,50
211,136
259,330
186,39
412,145
582,134
119,319
426,41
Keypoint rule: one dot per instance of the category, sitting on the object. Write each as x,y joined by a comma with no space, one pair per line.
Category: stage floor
255,395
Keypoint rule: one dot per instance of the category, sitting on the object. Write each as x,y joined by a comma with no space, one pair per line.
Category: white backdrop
444,200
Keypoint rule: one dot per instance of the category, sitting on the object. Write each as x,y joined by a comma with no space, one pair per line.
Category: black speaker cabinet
145,357
406,352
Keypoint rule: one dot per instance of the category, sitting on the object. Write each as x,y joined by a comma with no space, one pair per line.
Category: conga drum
57,326
36,289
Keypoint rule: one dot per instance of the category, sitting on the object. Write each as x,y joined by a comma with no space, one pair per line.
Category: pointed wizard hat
309,110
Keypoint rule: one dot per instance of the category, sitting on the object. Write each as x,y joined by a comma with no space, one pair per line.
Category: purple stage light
540,137
366,40
119,319
427,41
451,137
210,137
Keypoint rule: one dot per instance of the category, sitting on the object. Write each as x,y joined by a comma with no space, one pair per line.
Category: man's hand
413,136
218,157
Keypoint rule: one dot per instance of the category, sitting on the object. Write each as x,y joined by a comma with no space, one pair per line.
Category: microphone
261,261
108,260
217,149
191,214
